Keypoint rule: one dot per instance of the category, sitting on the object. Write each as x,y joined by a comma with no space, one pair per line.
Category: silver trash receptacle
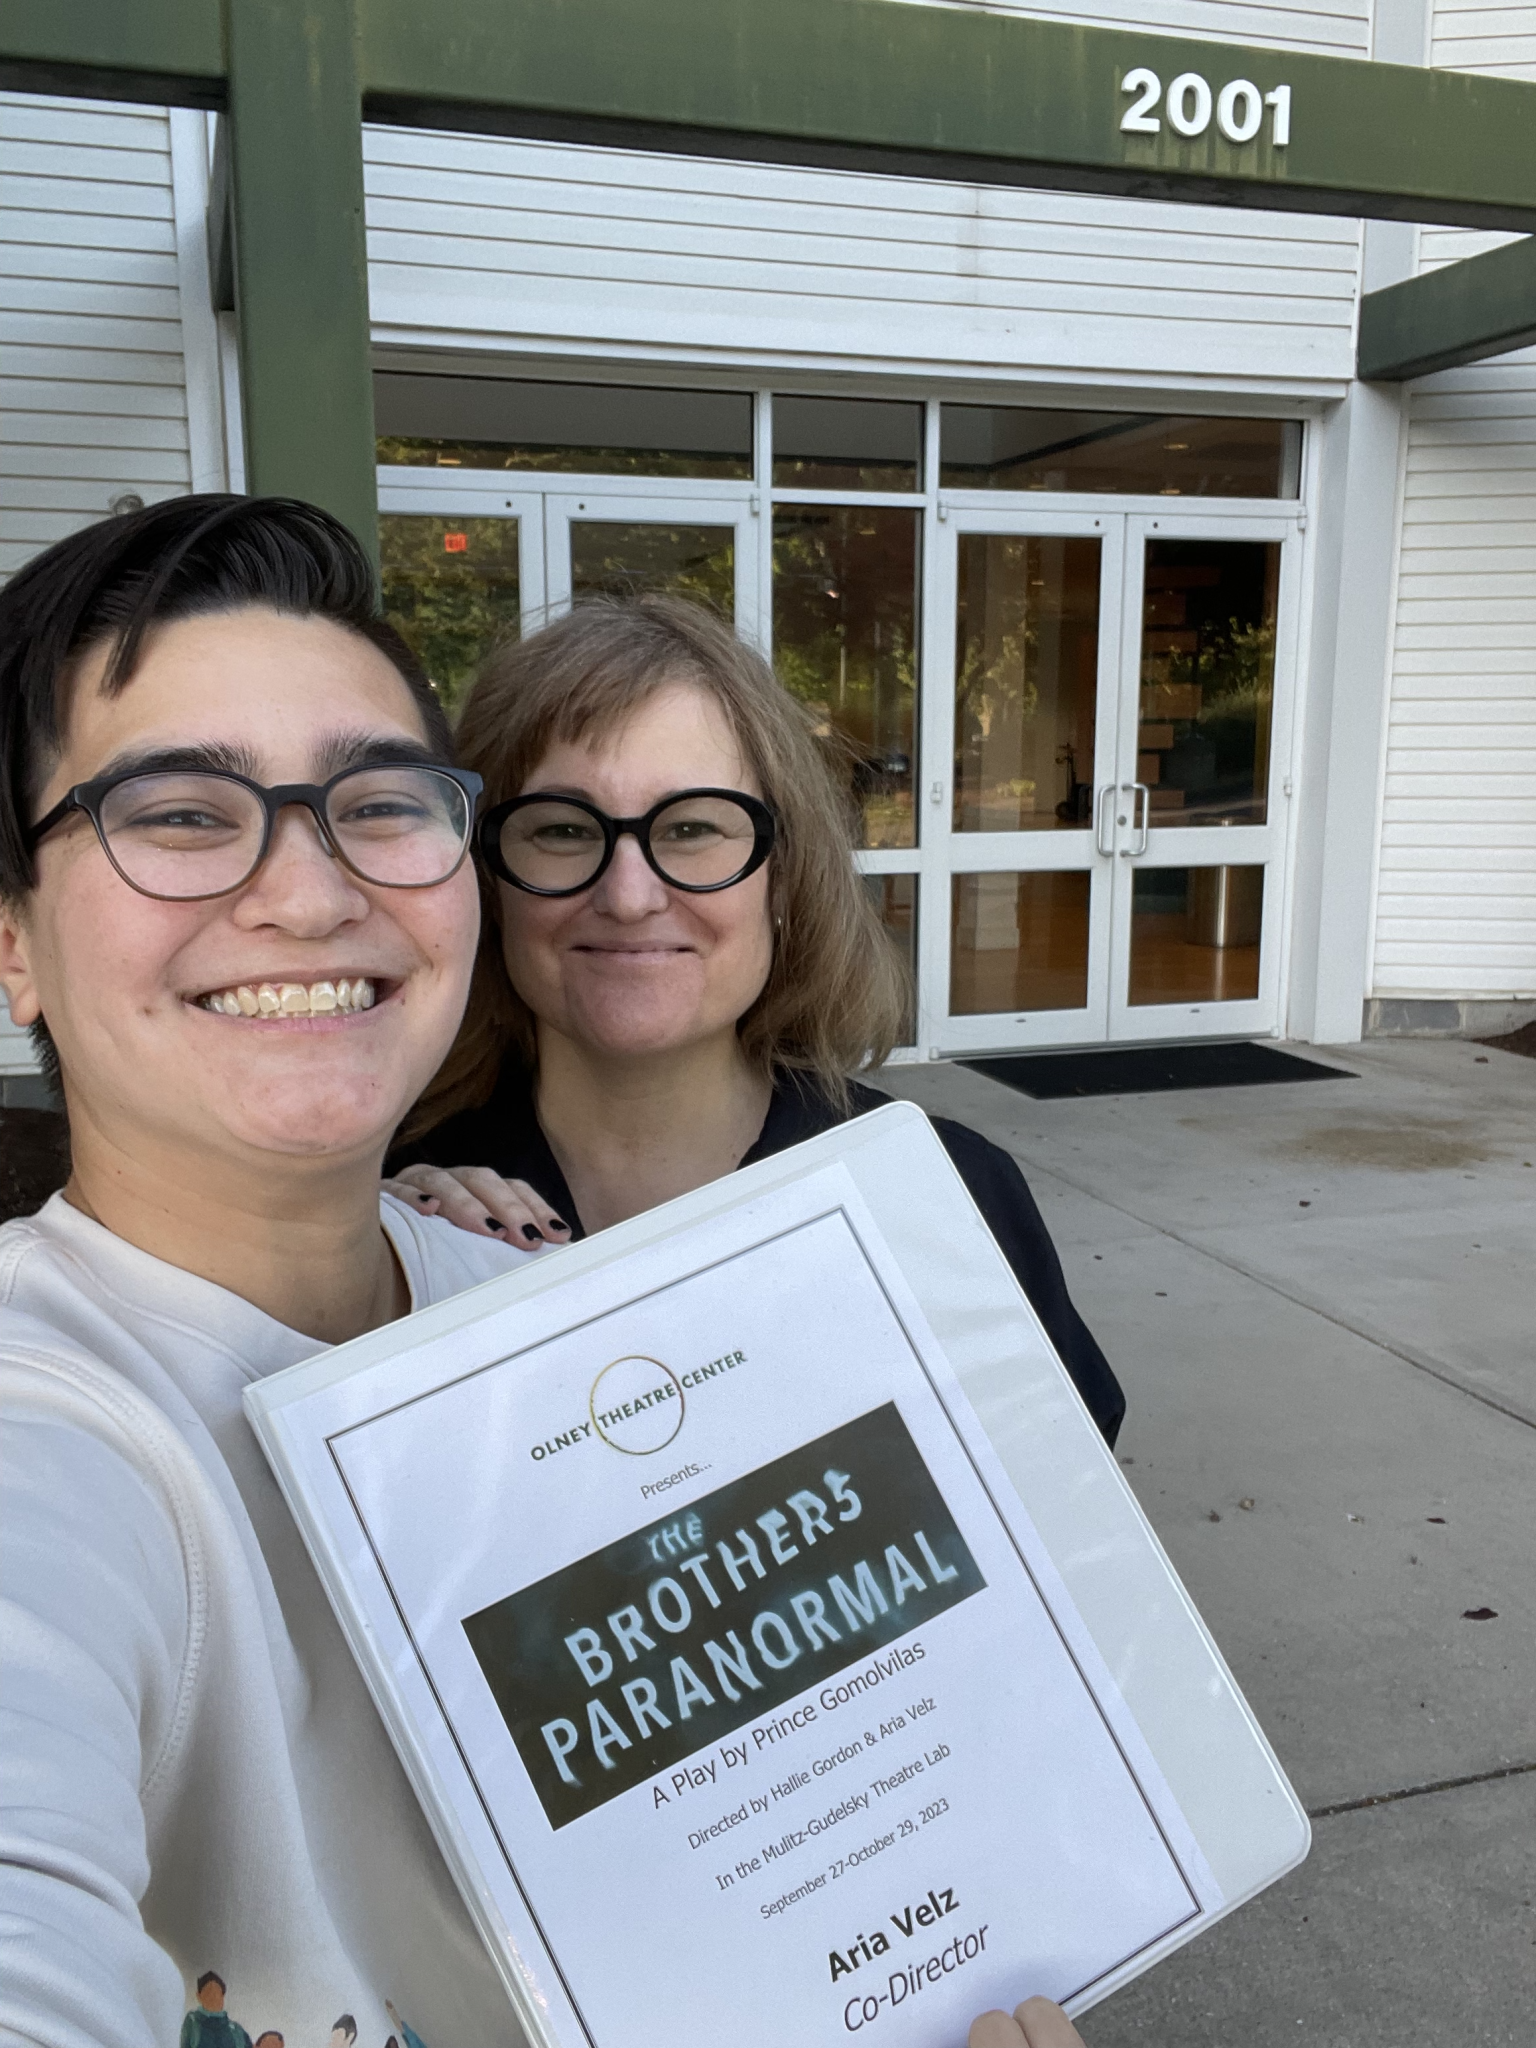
1225,907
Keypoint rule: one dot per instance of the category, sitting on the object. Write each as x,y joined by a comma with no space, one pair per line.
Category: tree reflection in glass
1026,682
451,587
844,641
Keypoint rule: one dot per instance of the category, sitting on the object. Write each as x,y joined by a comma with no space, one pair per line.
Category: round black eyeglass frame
313,796
764,830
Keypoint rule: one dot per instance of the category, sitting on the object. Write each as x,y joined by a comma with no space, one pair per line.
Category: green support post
300,255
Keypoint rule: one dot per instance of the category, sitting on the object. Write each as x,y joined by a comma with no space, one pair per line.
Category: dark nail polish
423,1198
492,1224
531,1232
558,1223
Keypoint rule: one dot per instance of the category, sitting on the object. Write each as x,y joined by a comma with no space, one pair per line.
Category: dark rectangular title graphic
630,1660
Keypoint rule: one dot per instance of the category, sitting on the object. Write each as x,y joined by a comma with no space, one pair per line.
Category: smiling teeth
292,998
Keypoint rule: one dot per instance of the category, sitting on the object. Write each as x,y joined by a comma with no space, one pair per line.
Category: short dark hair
346,2025
183,558
210,1977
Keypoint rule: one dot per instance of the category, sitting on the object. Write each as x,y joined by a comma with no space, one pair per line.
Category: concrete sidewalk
1321,1300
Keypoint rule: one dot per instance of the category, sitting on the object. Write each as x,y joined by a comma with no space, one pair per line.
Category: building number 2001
1239,107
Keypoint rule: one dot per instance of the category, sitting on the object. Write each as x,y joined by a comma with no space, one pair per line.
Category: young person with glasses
236,910
680,970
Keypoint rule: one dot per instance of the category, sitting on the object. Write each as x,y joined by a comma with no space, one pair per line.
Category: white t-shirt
192,1775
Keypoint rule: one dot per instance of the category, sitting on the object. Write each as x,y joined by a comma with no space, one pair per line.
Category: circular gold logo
636,1405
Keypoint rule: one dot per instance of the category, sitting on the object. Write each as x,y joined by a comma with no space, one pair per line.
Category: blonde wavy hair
836,994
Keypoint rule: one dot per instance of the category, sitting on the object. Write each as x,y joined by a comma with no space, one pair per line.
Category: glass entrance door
1107,846
1023,709
1199,803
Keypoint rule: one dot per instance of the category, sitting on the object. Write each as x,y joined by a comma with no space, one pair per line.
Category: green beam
166,52
1483,306
951,92
300,259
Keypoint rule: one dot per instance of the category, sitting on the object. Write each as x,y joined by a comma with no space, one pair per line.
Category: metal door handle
1140,819
1106,797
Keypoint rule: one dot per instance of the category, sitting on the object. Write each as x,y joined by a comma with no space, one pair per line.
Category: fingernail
558,1223
531,1232
422,1198
492,1224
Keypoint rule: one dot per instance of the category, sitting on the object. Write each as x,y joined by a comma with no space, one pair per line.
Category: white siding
1334,28
1456,897
92,397
540,247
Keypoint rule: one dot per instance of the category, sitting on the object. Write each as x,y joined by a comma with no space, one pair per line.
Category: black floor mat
1148,1069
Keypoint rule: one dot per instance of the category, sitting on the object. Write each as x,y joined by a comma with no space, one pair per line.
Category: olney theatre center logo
636,1405
615,1668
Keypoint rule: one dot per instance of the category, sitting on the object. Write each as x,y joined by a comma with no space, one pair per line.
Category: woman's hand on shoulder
1035,2024
481,1202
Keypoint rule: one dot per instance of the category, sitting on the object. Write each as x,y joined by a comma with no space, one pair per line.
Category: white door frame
946,852
1204,846
479,494
614,500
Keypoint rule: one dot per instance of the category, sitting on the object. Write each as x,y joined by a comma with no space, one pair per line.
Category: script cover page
781,1722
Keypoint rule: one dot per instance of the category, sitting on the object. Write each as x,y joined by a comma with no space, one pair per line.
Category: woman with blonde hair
680,970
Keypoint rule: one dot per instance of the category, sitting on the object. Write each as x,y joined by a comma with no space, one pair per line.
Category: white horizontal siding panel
92,395
483,186
1443,938
1451,528
96,331
84,124
76,300
1499,677
76,263
1457,475
67,165
1508,893
1466,743
79,400
478,240
1456,894
119,366
32,191
1324,25
124,466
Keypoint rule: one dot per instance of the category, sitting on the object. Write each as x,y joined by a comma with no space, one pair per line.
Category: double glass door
1073,790
1103,858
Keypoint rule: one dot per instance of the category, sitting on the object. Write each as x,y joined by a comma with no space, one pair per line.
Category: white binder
464,1482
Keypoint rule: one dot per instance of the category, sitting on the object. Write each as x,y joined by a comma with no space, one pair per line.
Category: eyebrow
336,752
212,757
341,750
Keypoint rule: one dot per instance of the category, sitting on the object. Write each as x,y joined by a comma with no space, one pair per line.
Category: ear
16,966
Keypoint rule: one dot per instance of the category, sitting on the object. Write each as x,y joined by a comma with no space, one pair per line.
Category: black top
505,1134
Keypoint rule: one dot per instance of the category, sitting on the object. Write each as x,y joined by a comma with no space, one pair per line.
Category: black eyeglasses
184,835
695,839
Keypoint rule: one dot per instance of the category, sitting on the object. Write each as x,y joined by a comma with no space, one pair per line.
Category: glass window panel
1026,670
1208,680
847,444
593,429
451,587
1028,448
612,558
1018,942
895,898
1195,935
844,640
